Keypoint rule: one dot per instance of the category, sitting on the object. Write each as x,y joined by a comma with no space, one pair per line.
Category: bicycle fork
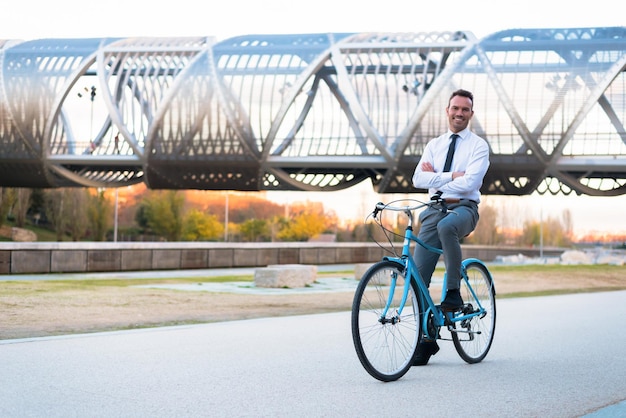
392,290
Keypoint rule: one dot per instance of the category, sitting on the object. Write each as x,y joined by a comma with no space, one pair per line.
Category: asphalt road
556,356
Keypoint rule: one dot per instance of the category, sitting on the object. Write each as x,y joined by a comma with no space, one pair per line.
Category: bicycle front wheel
473,337
385,343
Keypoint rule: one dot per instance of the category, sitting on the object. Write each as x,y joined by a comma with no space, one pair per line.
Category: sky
29,19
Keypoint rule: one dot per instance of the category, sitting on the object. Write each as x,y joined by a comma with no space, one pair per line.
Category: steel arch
312,111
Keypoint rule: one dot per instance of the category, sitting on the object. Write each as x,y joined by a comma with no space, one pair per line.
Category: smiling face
459,113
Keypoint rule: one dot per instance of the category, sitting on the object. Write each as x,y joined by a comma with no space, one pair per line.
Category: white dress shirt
471,156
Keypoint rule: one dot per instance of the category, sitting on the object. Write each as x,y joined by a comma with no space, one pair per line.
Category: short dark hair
462,93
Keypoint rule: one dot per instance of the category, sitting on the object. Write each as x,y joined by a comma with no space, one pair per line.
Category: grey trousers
445,231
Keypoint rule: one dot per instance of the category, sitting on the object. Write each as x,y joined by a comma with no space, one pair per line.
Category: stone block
288,256
104,260
5,262
23,235
194,259
285,276
360,269
267,256
68,261
309,256
136,260
359,255
221,257
327,256
30,262
245,257
166,259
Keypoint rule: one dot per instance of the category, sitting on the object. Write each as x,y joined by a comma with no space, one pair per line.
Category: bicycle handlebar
435,200
385,206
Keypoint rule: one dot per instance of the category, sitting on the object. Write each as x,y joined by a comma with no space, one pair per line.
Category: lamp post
541,233
115,218
226,219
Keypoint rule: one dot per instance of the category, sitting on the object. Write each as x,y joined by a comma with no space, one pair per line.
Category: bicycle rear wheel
385,345
473,337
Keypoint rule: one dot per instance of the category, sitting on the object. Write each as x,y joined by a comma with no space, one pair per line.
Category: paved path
558,356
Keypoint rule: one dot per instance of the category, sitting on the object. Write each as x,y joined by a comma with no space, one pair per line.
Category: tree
568,224
55,201
99,215
551,232
370,231
76,212
20,208
306,222
7,200
253,230
37,207
162,213
486,231
200,226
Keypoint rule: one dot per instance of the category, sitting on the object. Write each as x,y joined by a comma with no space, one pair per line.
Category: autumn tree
277,224
241,206
305,221
200,226
244,207
161,212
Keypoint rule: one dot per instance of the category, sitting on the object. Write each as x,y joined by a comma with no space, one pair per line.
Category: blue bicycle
393,311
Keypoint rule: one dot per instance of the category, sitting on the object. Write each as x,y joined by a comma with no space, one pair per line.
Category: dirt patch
32,309
41,308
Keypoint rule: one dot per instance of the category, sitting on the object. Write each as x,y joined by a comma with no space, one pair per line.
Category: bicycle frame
387,340
412,274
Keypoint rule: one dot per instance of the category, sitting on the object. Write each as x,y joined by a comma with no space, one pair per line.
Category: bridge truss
313,112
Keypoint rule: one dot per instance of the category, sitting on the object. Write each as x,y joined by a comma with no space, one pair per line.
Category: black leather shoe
453,301
425,350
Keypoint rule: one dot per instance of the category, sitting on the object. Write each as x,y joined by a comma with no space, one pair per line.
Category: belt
453,200
469,200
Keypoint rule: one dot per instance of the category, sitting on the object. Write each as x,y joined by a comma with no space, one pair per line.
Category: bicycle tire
385,348
473,337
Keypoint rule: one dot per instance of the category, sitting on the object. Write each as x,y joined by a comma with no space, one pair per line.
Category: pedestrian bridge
312,112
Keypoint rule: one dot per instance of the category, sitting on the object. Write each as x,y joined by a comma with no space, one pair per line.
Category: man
458,181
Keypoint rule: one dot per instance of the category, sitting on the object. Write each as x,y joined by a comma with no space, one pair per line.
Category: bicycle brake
376,210
438,200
